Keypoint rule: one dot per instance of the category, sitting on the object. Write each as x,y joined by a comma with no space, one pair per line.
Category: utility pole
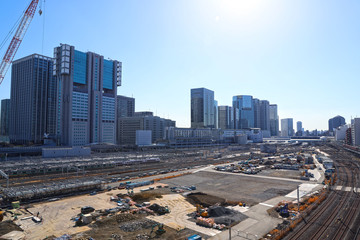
298,199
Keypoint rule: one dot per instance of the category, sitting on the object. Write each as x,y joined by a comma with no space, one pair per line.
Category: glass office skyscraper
125,106
202,108
5,116
244,104
287,129
32,99
86,96
274,120
226,117
336,122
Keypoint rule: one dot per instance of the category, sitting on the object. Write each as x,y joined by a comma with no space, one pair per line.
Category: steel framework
18,37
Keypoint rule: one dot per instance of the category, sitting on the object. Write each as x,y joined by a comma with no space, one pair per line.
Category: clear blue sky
303,55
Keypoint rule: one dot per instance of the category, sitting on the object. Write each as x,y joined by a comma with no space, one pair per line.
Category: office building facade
274,120
264,115
202,108
336,122
86,96
244,104
226,117
287,129
355,132
5,116
128,126
298,128
125,106
257,109
216,115
32,99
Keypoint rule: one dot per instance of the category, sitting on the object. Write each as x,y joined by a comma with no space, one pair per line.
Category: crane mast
18,37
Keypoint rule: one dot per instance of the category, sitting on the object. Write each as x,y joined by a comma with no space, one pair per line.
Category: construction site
205,194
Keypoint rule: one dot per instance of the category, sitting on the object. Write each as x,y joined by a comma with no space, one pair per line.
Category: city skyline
314,50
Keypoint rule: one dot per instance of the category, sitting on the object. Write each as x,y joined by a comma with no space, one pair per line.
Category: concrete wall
143,137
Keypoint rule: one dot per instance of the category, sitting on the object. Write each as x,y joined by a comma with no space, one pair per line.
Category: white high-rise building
287,129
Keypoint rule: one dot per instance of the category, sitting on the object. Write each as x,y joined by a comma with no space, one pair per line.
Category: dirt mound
158,209
205,199
226,216
8,226
218,211
146,196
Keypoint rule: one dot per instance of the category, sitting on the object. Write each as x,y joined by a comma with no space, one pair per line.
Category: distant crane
18,37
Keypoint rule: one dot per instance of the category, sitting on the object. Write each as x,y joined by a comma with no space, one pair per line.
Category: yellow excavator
201,211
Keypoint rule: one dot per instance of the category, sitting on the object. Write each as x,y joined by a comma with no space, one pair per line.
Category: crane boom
18,37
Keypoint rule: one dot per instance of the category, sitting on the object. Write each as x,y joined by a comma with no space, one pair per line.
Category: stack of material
206,222
159,209
63,237
136,225
86,219
222,215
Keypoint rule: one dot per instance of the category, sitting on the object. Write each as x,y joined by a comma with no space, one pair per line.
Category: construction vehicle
17,38
160,229
201,211
130,192
1,215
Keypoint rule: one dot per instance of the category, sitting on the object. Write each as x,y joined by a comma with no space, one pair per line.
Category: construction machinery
17,38
130,192
160,229
1,215
201,211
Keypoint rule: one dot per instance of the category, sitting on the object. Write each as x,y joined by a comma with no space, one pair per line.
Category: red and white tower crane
18,37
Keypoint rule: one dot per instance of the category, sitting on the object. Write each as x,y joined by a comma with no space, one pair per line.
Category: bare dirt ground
130,227
8,226
178,217
57,215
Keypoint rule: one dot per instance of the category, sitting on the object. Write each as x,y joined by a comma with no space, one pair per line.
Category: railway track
338,217
108,173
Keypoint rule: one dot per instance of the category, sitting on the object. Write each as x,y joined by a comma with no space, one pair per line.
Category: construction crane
18,37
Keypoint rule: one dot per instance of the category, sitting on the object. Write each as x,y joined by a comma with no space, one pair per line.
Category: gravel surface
137,225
